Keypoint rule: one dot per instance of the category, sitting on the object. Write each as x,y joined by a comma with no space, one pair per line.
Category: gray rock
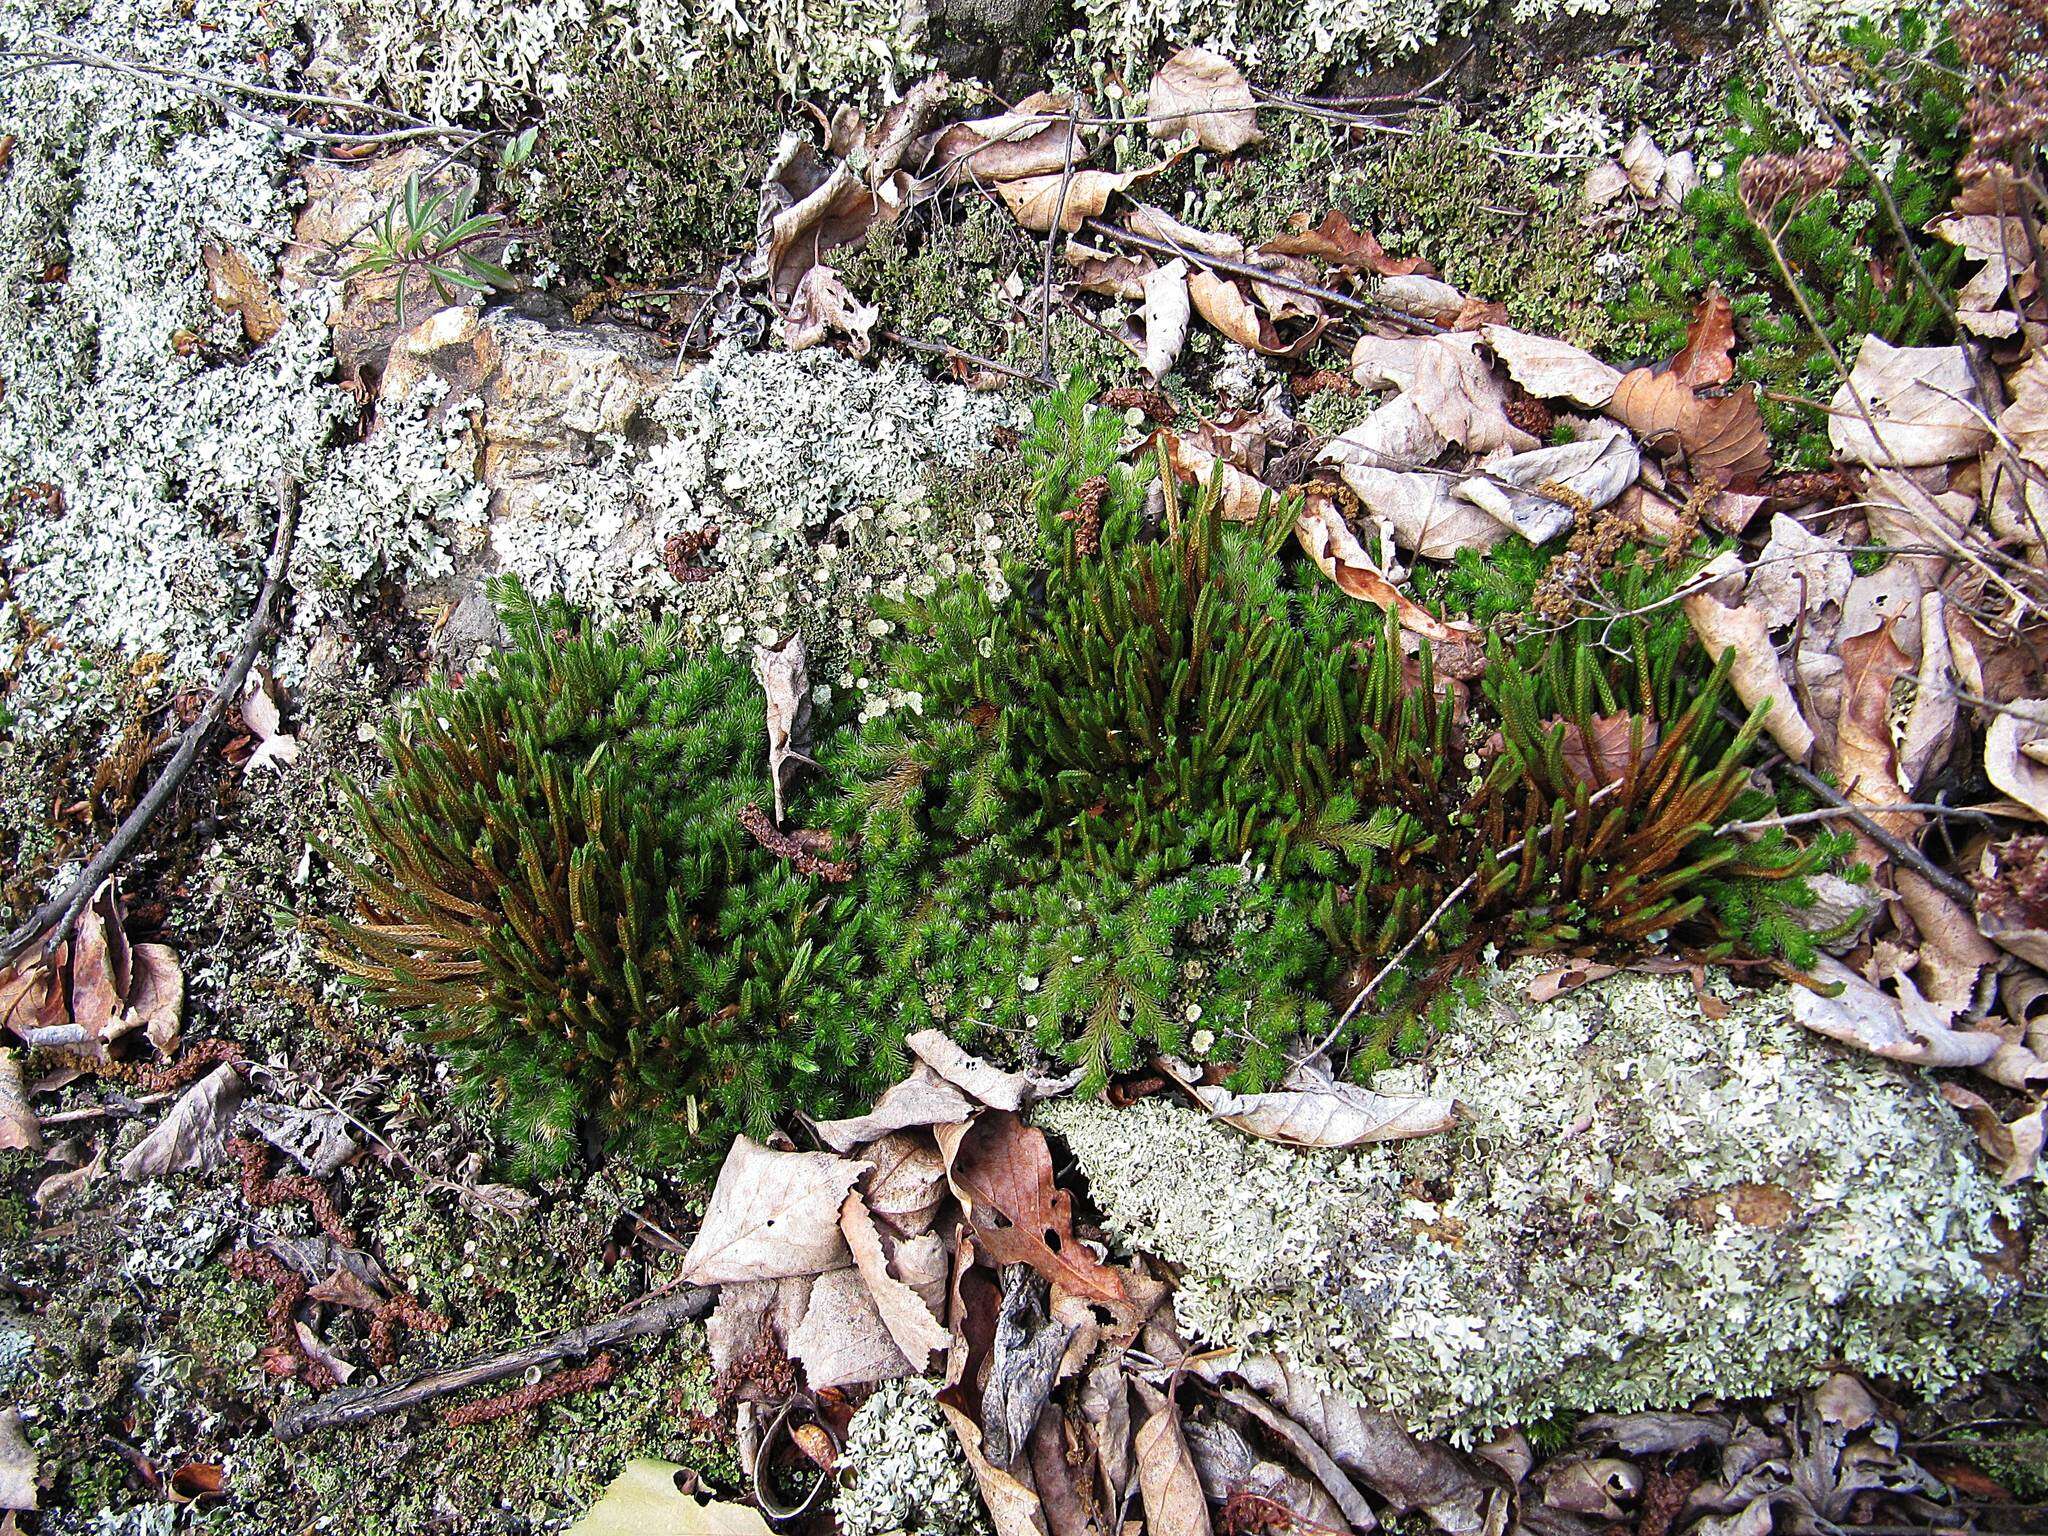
1644,1207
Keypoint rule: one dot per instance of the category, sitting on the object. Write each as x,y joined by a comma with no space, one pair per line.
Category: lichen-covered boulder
1642,1205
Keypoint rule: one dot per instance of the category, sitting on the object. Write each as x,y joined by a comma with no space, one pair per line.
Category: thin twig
959,355
1457,894
1837,812
1052,240
55,916
353,1405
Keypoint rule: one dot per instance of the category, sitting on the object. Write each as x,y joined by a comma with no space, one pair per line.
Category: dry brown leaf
1158,224
772,1214
1521,490
1166,312
156,994
2016,753
1904,1028
2014,1146
823,304
977,1078
1203,93
1311,1113
1115,274
1755,673
1552,370
1554,984
236,286
274,745
1797,572
1599,1487
1001,1171
753,1318
102,965
1243,495
908,1181
1920,401
1722,437
1013,1506
1032,139
60,1190
2011,882
1424,297
19,1129
1328,540
843,1340
1453,387
910,1322
1615,742
1224,304
1643,163
781,672
1705,360
1337,242
1930,734
1422,509
1032,199
193,1133
810,211
1865,758
1172,1491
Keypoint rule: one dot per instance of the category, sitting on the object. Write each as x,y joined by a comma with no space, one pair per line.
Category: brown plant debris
286,1355
1086,515
1135,397
561,1384
805,849
683,555
262,1190
399,1309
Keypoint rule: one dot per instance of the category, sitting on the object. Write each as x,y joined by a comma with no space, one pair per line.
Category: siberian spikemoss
1180,787
562,898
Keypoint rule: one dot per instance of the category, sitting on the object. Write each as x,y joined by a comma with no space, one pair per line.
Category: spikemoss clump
563,898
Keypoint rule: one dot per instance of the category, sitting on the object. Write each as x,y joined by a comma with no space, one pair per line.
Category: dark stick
957,355
56,915
1052,240
352,1405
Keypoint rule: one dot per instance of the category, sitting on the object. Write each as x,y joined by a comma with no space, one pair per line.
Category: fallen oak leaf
1001,1171
823,304
990,1084
771,1215
1224,304
1201,92
259,711
1243,496
1339,243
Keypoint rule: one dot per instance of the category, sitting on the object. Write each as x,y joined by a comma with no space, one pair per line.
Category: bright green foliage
1182,784
1841,245
564,901
645,174
435,238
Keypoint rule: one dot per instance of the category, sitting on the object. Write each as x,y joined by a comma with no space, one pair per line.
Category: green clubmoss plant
563,900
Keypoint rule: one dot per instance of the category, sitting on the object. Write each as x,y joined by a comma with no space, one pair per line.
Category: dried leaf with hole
1203,93
1001,1171
1921,401
1797,572
1904,1028
781,672
1755,673
910,1322
823,304
646,1499
2016,753
1721,437
1166,314
772,1214
1552,370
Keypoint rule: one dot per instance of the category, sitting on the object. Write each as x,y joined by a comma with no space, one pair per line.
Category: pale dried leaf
1328,540
1919,399
1903,1028
1166,312
1519,490
101,965
18,1468
1643,163
784,681
193,1133
318,1140
910,1322
1569,978
1755,673
1013,1506
1242,497
1426,298
275,746
977,1078
156,995
908,1181
921,1099
1796,573
645,1499
1203,93
1032,200
842,1340
1351,1504
808,212
1158,224
1172,1491
1605,182
1315,1111
19,1129
1552,370
772,1214
1032,139
318,1351
1930,733
753,1315
1455,390
2008,761
1600,1487
2014,1146
822,305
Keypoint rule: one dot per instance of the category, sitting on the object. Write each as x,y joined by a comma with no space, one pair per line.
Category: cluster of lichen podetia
1173,794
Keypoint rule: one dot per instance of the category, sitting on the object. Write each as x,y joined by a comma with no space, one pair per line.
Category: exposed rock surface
1645,1206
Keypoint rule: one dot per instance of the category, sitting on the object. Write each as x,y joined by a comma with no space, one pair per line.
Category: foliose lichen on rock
1641,1206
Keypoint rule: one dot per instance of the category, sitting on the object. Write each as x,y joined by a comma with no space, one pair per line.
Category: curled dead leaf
1328,540
2016,753
1755,673
1342,245
1033,200
1721,437
1552,370
1203,93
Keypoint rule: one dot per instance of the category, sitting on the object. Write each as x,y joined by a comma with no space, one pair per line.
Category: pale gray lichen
812,467
902,1468
1640,1207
